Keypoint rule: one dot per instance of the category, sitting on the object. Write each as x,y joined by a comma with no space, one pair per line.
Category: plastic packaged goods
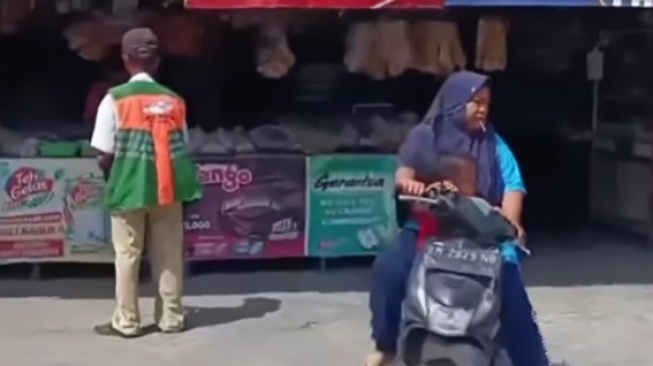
393,46
196,139
13,13
10,143
492,43
385,132
224,138
400,126
85,37
94,36
274,138
437,47
212,144
459,58
426,51
180,34
323,134
361,55
314,140
242,144
274,57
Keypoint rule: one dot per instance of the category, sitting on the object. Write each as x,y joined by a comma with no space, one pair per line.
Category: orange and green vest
151,165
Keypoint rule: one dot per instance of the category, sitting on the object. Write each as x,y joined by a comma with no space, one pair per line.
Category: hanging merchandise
394,46
90,38
13,13
180,34
491,43
379,49
361,56
274,57
438,49
94,36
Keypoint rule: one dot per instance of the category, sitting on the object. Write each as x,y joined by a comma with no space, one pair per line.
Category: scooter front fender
426,349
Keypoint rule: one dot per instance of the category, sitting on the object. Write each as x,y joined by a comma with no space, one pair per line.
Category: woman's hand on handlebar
412,187
417,188
444,185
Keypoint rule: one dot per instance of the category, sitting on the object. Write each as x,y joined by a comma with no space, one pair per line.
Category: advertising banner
253,207
50,210
87,234
351,204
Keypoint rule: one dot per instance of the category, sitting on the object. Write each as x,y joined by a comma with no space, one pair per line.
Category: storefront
295,149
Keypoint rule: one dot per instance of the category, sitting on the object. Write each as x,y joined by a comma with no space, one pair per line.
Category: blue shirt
510,173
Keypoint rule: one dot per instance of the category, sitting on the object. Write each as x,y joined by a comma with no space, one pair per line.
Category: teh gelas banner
50,210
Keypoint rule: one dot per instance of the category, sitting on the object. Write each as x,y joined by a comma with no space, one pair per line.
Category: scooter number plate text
467,260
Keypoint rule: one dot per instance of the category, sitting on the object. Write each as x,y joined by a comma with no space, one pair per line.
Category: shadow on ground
586,259
251,308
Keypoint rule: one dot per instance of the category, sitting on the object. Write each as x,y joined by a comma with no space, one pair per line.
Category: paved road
596,308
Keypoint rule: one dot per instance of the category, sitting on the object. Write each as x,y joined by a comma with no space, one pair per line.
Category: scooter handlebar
436,198
475,211
431,201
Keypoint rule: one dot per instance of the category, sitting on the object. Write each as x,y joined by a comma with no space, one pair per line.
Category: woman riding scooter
456,124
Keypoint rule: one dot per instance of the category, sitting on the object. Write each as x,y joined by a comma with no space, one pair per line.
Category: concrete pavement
595,306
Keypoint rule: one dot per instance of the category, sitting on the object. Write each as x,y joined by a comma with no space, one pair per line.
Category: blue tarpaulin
570,3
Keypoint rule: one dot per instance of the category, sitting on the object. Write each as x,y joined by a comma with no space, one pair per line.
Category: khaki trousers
162,227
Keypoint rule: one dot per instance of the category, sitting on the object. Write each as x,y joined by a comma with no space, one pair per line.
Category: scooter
451,314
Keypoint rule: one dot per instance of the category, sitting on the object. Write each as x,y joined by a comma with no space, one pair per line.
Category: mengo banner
50,209
253,207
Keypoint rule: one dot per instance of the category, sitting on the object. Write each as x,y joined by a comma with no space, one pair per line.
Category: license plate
480,261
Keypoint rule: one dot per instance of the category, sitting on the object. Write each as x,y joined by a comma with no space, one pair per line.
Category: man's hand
105,162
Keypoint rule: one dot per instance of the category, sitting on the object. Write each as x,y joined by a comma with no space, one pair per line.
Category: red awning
315,4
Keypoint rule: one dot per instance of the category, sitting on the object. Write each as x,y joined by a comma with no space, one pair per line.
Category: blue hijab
443,131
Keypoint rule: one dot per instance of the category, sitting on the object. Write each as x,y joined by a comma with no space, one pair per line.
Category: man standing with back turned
140,131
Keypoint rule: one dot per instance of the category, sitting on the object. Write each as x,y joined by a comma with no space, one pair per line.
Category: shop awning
315,4
558,3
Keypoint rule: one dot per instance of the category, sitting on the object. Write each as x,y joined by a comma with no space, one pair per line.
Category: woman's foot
378,358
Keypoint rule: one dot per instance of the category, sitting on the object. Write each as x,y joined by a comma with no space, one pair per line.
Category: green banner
351,204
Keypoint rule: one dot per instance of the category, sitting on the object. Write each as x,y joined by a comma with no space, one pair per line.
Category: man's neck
141,76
